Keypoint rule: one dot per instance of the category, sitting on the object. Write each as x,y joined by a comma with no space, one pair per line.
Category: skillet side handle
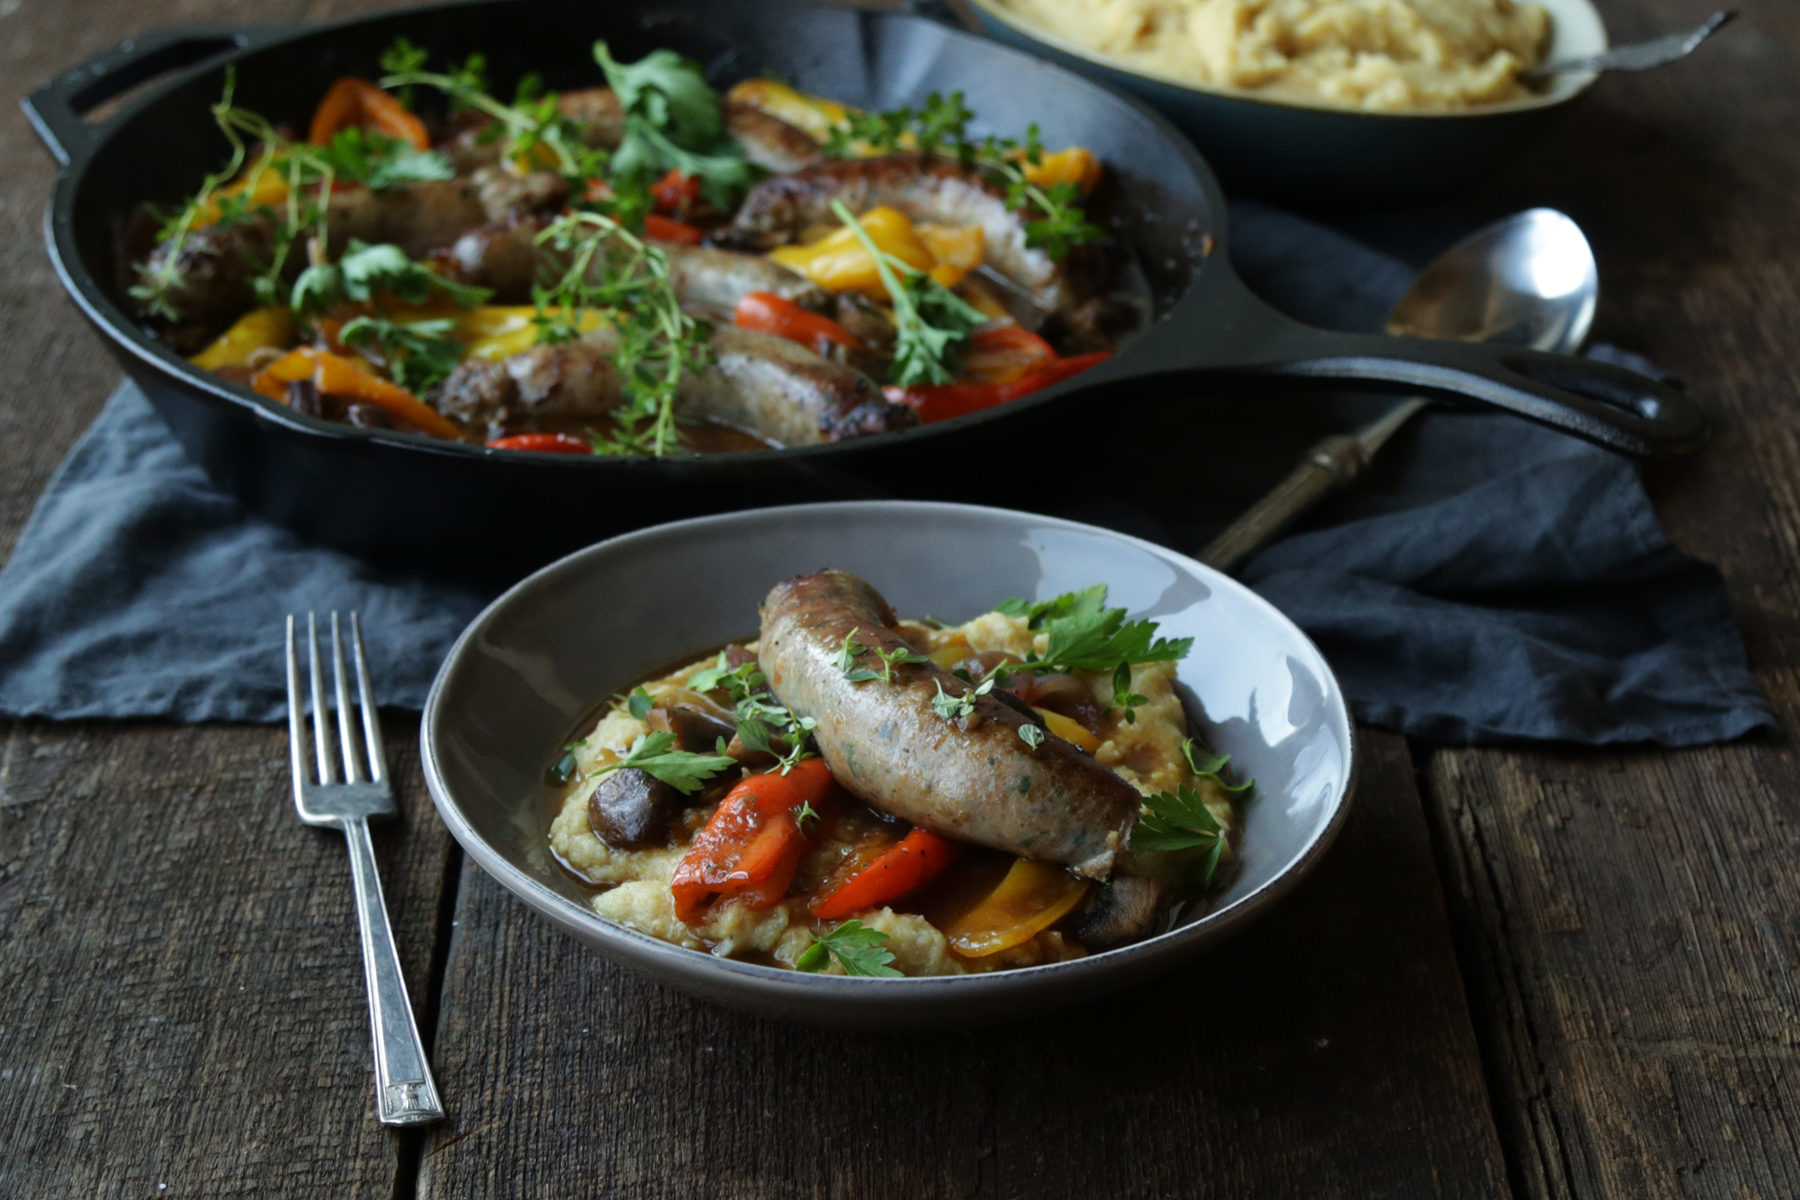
56,110
1597,401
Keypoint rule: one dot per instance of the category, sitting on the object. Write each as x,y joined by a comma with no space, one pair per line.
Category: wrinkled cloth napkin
1492,581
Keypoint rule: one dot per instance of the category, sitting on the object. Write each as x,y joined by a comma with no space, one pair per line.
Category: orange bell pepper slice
676,193
542,443
750,848
766,312
335,375
905,867
359,104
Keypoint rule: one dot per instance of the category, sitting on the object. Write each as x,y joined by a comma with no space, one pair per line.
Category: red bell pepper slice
665,230
675,193
542,443
752,845
940,402
768,313
906,867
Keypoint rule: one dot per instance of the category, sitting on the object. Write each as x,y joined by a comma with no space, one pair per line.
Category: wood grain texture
184,996
1628,917
1325,1053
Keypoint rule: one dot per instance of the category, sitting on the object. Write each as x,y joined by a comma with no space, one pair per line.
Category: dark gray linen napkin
1491,581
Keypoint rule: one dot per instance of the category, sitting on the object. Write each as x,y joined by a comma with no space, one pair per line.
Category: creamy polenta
1373,55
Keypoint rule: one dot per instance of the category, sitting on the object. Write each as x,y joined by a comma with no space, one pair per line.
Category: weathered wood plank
1325,1053
184,995
1627,917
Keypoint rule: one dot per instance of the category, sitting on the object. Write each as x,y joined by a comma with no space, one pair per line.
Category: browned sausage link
934,189
770,142
974,779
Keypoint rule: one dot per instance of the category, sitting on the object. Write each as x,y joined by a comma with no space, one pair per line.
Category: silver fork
404,1091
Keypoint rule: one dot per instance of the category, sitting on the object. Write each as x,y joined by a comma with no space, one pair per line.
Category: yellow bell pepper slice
498,331
958,249
1076,165
837,262
258,329
1068,729
814,115
1032,897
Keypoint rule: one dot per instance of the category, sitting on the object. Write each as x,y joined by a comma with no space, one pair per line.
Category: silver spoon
1529,280
1640,55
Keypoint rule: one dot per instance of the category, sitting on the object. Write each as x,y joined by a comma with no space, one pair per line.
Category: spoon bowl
1528,280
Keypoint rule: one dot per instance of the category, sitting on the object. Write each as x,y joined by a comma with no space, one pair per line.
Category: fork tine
366,697
321,744
353,771
296,713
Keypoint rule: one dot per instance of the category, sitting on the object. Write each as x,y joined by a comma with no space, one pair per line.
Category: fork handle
404,1091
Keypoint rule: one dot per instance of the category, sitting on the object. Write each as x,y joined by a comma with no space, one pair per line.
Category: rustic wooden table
1539,973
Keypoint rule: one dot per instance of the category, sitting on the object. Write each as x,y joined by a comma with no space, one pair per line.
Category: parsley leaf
857,948
417,354
683,770
674,121
1177,820
1084,635
364,270
377,161
1206,764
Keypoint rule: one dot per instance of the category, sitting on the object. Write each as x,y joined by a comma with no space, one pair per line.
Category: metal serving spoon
1529,280
1640,55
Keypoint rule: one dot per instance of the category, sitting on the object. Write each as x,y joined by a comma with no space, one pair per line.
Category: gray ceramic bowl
541,657
1316,154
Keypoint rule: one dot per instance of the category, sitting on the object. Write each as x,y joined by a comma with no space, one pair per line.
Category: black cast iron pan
405,500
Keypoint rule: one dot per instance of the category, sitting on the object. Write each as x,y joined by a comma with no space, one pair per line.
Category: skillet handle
1597,401
56,110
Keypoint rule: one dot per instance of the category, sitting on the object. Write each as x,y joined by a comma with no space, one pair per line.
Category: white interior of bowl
542,657
1576,32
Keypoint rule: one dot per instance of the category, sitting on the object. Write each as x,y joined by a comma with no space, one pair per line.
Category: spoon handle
1641,55
1329,466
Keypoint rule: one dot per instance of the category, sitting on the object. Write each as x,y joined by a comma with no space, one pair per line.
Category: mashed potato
1374,55
1146,753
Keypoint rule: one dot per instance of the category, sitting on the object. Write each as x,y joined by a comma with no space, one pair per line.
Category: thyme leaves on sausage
1032,735
952,708
931,322
857,948
1055,221
889,659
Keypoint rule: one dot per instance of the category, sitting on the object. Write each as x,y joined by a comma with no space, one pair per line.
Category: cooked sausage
770,142
506,256
974,779
757,382
934,189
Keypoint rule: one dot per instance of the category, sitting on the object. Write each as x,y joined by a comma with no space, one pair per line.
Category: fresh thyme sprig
931,322
763,723
617,275
533,120
889,659
951,708
1056,221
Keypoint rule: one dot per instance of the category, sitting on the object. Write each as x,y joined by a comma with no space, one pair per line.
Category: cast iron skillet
401,499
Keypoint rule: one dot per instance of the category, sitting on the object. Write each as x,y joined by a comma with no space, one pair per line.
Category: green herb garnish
1032,735
856,947
1056,221
931,322
889,659
674,121
762,723
365,270
1085,635
683,770
951,708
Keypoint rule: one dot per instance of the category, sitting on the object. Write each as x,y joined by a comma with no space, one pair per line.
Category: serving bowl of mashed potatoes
1325,99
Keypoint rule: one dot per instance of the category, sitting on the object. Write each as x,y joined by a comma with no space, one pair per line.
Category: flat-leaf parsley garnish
683,770
857,948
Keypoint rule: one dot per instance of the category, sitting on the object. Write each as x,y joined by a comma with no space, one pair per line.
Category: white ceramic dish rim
1577,31
639,947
